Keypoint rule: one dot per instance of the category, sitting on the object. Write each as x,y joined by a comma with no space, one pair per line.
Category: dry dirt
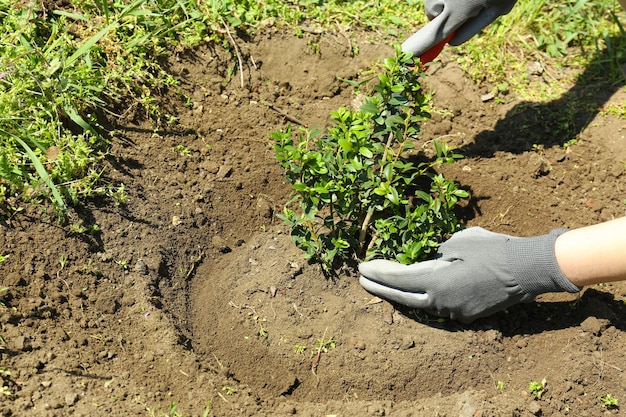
192,293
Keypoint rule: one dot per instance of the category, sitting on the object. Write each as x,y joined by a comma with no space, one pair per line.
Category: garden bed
191,292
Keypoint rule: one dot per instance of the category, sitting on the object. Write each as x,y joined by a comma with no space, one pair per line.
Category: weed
63,261
299,349
359,191
500,386
4,258
182,150
173,411
229,390
91,268
4,379
263,332
537,389
79,229
570,142
322,346
119,194
123,264
609,401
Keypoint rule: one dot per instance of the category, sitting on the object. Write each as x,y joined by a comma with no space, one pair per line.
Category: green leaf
41,171
381,190
345,144
388,171
369,108
88,44
392,195
366,152
424,196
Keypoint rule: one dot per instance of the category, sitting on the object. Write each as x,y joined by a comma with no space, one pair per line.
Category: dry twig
234,44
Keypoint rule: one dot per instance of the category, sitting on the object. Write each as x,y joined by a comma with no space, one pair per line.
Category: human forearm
593,254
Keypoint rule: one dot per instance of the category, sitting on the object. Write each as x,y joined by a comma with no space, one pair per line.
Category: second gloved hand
464,18
476,273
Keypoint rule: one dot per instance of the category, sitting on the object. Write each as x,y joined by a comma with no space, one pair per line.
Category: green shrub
361,189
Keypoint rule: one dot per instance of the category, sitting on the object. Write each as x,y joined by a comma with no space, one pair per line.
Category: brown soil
192,293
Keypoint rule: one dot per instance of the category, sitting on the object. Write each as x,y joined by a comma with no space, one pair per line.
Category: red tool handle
433,52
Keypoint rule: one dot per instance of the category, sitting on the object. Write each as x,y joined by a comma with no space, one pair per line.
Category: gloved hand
475,273
464,18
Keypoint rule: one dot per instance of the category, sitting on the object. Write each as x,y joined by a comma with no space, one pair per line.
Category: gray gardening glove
476,273
464,18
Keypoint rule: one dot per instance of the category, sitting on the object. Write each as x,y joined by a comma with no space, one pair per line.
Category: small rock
534,68
264,208
407,343
21,343
539,166
358,344
535,408
141,267
487,97
176,220
592,325
224,172
13,280
71,398
617,170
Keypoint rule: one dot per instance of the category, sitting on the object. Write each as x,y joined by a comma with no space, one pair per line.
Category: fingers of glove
427,37
411,278
474,25
409,299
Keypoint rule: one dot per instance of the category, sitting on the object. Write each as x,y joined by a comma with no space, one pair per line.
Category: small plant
500,386
322,345
79,229
609,401
537,389
4,378
63,261
123,264
182,150
299,349
173,411
229,390
263,332
362,189
119,194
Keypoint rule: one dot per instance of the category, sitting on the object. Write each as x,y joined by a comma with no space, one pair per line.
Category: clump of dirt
192,293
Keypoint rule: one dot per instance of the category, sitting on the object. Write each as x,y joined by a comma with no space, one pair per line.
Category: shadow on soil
539,317
556,122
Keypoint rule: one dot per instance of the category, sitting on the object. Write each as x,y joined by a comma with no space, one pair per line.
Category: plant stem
318,355
370,211
364,226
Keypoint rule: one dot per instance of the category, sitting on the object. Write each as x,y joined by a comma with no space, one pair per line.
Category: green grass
569,38
62,70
